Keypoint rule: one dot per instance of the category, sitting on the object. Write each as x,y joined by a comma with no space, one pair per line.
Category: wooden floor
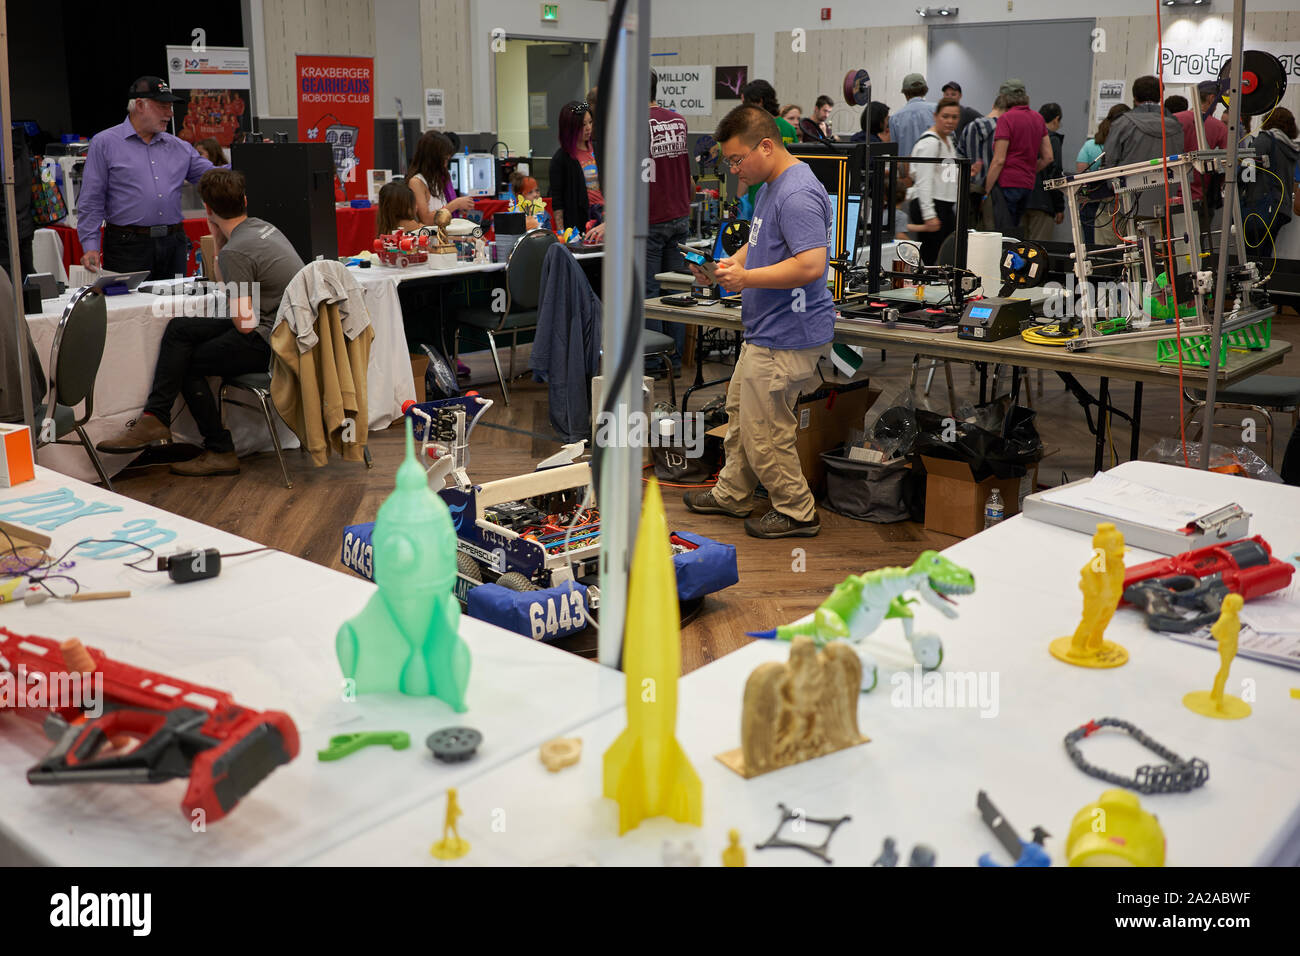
774,587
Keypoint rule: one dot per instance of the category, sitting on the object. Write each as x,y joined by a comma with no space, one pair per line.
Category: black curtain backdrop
70,63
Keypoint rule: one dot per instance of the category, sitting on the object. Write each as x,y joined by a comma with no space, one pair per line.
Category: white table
264,631
918,777
136,323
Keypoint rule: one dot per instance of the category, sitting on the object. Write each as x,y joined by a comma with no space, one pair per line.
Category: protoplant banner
336,106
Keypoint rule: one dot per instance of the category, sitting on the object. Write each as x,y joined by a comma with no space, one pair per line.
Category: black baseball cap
952,85
153,88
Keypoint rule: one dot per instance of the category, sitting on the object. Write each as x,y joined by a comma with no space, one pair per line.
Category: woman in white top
935,205
430,179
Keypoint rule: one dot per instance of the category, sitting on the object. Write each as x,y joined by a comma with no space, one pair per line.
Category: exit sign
550,13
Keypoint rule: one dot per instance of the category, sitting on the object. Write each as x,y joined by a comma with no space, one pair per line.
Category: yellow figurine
645,769
1115,831
1215,703
734,854
1102,584
450,847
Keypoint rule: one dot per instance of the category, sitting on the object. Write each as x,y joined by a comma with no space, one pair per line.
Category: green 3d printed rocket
407,636
646,770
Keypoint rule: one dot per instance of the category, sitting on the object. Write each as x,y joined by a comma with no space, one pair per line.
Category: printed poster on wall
728,81
685,89
215,84
336,106
435,109
1109,93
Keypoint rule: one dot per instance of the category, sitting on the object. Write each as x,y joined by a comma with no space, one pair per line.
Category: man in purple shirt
132,185
789,319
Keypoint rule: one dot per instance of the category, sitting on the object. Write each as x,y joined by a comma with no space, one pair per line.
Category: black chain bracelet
1177,776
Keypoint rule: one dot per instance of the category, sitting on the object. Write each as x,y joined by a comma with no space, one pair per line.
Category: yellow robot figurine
645,769
1102,584
734,854
1215,703
451,847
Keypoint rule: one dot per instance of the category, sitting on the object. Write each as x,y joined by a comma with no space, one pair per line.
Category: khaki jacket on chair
321,393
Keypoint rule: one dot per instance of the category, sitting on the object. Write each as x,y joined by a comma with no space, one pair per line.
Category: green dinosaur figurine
407,637
861,602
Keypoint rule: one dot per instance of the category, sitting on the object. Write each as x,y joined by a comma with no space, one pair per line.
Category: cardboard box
208,246
17,463
419,365
954,500
824,420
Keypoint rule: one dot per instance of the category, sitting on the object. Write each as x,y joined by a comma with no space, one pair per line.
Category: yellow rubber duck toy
1214,702
451,846
1102,584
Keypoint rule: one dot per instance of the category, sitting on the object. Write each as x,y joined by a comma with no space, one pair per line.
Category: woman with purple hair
575,178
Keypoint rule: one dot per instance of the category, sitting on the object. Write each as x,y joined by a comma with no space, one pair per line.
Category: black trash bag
1001,455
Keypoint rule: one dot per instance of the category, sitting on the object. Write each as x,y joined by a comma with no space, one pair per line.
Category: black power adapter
193,565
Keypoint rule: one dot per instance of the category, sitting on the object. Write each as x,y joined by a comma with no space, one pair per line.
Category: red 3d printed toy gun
114,723
1183,593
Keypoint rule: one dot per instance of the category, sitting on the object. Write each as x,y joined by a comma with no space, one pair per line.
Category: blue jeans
662,255
1008,207
1088,221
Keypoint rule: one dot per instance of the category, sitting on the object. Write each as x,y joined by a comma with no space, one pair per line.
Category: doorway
534,78
1053,57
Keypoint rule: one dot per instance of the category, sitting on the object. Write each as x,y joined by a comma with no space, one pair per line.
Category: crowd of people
134,173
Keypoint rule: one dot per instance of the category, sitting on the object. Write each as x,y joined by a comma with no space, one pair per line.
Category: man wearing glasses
789,319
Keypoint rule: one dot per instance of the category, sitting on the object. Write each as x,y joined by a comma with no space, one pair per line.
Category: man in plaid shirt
976,144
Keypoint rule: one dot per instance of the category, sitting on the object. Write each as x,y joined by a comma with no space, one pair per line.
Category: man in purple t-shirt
132,185
1021,147
789,318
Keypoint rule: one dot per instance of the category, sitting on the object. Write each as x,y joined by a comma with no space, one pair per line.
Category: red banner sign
336,106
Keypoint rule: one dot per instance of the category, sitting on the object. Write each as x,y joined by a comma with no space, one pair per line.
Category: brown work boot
144,432
703,502
207,464
774,524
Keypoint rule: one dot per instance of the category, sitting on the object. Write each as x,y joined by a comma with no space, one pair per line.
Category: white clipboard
1227,523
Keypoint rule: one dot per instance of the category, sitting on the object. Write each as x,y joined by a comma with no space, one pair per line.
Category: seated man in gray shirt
256,263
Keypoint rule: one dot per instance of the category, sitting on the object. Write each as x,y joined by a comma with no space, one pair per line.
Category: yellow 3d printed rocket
646,770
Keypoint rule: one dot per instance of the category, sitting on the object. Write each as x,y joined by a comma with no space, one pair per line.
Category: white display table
264,631
918,777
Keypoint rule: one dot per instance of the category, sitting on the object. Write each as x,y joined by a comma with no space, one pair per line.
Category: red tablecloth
356,229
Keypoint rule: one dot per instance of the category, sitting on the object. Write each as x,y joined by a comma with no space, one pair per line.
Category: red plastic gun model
1184,592
115,723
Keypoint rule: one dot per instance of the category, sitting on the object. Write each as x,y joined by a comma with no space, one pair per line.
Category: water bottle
994,509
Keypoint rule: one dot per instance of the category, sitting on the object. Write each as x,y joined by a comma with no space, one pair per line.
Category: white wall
397,45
